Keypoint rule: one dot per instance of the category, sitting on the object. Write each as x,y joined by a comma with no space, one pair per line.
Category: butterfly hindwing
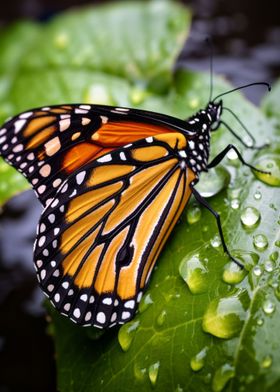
99,238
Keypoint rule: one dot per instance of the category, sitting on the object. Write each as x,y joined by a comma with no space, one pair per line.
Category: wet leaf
241,315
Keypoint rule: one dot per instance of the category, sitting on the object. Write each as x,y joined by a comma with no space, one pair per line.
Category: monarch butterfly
113,182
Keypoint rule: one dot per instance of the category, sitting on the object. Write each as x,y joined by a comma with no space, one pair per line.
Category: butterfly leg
200,199
223,153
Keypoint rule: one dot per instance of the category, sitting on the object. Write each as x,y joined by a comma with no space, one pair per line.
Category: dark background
246,37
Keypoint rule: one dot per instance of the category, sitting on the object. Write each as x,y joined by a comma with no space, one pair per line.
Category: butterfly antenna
245,86
210,43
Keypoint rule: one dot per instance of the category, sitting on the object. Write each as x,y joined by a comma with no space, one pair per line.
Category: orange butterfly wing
48,144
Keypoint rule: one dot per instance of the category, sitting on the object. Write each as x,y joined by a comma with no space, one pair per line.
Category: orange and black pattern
113,182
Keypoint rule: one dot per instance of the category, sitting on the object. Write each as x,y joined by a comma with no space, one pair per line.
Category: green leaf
115,54
12,182
270,103
135,40
158,349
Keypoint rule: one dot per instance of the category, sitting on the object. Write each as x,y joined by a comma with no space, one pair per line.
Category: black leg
202,201
223,153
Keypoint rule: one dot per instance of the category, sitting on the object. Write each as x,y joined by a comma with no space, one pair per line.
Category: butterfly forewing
101,235
48,144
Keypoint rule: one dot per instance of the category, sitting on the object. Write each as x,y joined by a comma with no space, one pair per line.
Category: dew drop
224,317
277,243
232,155
266,362
216,241
145,303
126,334
248,258
222,376
235,204
269,266
268,307
260,241
193,215
257,195
198,361
153,372
213,182
161,318
139,372
259,322
271,163
195,274
233,274
257,271
250,216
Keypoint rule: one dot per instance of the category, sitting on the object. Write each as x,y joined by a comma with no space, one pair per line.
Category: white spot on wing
101,317
105,158
80,177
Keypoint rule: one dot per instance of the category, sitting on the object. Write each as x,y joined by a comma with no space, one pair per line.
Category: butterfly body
113,183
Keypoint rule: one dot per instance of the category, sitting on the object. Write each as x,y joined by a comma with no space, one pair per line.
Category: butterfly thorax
202,124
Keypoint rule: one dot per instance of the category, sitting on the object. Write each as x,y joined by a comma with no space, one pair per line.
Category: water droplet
195,274
277,243
235,204
139,372
266,362
257,271
271,163
216,241
260,241
259,322
145,303
193,214
250,216
224,317
268,307
248,259
231,155
233,274
269,266
161,318
257,195
222,376
213,182
126,334
153,372
274,256
197,362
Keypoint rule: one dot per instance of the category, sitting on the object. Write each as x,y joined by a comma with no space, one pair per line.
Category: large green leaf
202,324
194,287
270,103
109,55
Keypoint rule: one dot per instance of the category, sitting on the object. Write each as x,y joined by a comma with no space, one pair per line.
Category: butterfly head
214,110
